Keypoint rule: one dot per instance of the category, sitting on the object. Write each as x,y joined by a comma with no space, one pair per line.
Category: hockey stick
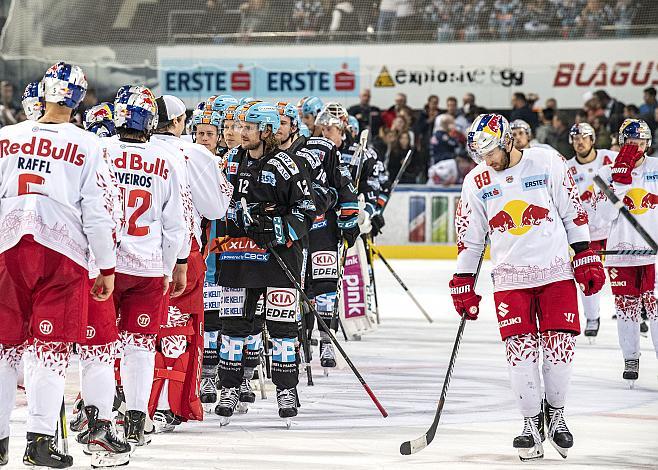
372,276
327,330
627,215
626,252
402,284
303,333
62,428
416,445
398,177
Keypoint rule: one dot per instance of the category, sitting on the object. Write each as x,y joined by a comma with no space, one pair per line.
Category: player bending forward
528,205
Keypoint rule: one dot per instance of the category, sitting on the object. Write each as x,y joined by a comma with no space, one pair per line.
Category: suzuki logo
613,273
503,309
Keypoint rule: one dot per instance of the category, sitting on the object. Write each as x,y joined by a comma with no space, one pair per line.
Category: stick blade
411,447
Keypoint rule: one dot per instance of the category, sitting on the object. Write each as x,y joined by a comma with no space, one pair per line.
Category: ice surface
404,361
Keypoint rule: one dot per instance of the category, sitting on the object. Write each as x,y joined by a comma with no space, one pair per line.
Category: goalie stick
416,445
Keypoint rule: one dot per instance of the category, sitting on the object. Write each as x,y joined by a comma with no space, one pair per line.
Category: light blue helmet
289,110
312,105
221,102
246,99
207,117
32,101
263,114
353,125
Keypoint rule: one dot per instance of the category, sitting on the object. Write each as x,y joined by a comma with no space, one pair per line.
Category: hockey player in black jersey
280,212
336,218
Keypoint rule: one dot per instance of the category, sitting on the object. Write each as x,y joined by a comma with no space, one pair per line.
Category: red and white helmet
64,84
332,114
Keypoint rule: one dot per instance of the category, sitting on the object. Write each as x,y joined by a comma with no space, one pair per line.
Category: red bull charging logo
639,200
518,217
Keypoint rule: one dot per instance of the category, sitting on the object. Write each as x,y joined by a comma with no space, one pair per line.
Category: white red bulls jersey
531,213
210,191
154,221
583,174
641,199
56,186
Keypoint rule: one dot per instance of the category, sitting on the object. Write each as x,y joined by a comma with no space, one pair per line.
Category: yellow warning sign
384,79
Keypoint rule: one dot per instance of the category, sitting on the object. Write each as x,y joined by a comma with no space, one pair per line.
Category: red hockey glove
464,297
624,164
588,271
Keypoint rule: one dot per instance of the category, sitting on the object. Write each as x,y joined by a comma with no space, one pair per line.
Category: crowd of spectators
432,20
437,136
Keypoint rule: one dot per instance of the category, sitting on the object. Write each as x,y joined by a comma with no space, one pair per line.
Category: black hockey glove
262,225
351,234
377,221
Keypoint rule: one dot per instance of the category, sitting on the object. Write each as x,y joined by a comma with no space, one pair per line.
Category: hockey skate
558,433
327,355
287,400
42,451
79,421
106,447
4,451
228,400
247,396
208,393
165,421
592,329
133,426
631,371
529,443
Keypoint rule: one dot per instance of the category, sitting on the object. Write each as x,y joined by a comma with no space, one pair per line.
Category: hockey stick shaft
372,276
339,287
625,213
403,285
62,427
333,339
303,333
626,252
398,177
416,445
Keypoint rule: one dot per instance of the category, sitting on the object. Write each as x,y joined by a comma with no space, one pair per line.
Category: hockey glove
267,231
348,223
466,301
624,164
351,234
588,271
377,221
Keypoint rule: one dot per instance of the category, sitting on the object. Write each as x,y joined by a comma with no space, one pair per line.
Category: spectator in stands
444,15
623,14
446,142
473,15
551,103
538,18
451,171
649,106
631,112
388,10
307,16
603,139
253,14
400,126
567,13
503,18
581,116
559,138
545,127
613,109
424,127
593,109
369,117
395,154
404,17
521,110
460,121
392,112
342,19
592,17
8,106
470,110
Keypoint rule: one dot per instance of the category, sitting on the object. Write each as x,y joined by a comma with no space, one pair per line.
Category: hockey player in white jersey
56,206
583,167
99,119
181,339
634,179
522,134
32,101
154,235
527,204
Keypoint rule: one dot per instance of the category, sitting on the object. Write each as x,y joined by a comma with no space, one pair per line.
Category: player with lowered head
527,204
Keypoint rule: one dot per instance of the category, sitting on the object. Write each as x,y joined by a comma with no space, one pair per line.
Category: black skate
208,392
107,449
529,443
287,400
165,421
42,451
644,328
327,355
592,329
228,400
558,432
79,421
631,371
4,451
247,396
133,428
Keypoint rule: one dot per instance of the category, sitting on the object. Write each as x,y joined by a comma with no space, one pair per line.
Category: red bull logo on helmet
518,217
